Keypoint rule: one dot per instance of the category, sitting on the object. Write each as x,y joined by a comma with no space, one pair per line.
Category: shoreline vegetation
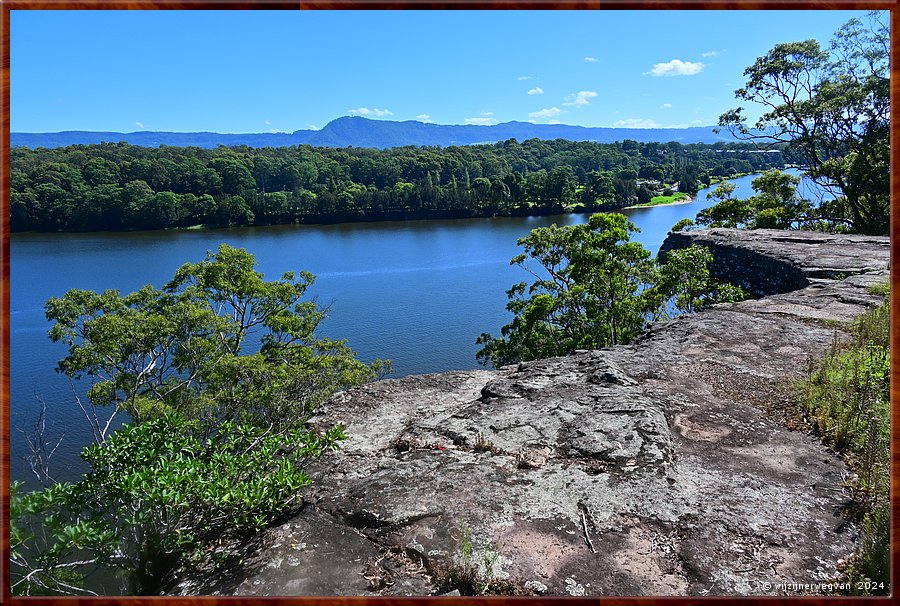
432,215
401,216
446,215
673,200
121,187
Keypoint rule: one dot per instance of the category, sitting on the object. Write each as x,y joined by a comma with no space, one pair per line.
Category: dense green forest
116,186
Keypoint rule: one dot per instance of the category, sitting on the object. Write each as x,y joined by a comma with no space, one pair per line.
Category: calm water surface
417,293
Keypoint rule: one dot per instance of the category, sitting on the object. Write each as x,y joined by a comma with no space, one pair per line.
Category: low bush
846,399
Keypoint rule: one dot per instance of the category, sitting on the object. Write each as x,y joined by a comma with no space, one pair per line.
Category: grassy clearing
657,200
846,400
717,180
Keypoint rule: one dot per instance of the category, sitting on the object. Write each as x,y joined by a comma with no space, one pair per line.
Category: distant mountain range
363,132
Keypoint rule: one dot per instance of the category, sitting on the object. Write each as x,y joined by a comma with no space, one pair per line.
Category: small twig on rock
587,536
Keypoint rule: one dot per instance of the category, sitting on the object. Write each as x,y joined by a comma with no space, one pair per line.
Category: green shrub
216,443
683,225
846,398
595,288
160,495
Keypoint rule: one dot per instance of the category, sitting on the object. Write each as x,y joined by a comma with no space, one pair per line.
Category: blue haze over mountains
362,132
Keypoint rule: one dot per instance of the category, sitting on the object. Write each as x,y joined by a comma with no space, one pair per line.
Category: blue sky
261,71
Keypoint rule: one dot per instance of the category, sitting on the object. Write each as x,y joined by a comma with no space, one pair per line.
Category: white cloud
312,127
665,106
487,113
525,77
537,90
276,131
546,113
696,122
710,54
580,98
424,118
554,122
267,123
365,111
636,123
139,124
481,121
676,67
590,59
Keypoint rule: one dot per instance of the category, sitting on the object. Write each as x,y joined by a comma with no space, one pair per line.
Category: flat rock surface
657,468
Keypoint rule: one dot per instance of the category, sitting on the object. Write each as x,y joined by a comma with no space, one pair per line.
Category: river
417,293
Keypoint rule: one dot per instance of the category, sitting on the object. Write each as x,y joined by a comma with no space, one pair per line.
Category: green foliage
846,398
159,494
594,287
474,570
683,225
832,108
869,572
218,371
186,348
122,187
588,293
849,388
880,289
686,278
687,174
776,205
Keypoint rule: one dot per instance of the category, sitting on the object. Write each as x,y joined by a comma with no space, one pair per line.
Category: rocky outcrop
658,468
769,261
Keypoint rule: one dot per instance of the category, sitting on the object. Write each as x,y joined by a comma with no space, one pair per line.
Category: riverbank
716,180
369,217
450,215
673,202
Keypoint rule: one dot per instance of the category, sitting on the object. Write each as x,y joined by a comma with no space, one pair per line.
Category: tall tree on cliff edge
833,108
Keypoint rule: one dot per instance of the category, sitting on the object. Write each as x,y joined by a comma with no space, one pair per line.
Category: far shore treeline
117,186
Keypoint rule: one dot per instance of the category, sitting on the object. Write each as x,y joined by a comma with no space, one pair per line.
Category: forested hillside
124,187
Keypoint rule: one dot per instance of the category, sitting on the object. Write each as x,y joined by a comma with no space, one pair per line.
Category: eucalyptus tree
832,107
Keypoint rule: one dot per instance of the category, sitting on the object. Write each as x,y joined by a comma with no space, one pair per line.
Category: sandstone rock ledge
648,469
